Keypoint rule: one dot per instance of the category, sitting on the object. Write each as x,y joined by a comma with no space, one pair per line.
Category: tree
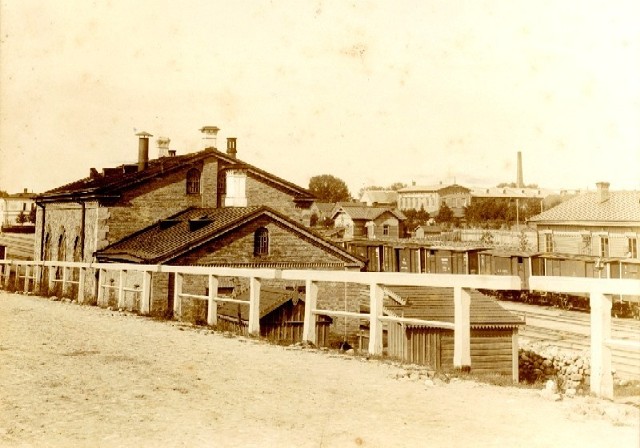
445,214
21,218
393,187
32,215
329,188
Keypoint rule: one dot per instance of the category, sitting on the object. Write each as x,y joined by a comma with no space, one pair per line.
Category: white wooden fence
601,291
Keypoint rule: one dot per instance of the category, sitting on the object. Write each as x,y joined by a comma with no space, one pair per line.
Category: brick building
76,220
203,208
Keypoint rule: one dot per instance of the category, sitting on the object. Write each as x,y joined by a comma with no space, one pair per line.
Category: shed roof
432,303
621,207
270,299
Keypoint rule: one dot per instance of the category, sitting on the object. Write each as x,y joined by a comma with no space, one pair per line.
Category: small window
193,181
385,229
604,246
261,242
548,242
633,248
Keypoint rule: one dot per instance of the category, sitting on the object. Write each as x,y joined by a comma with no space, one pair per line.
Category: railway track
570,330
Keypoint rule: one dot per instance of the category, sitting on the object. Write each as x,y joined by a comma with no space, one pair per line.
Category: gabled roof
188,230
114,180
324,207
359,211
380,196
430,303
622,207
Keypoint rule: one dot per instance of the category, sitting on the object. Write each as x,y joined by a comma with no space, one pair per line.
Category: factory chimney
520,181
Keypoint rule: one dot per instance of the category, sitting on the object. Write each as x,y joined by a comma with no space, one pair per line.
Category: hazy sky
372,92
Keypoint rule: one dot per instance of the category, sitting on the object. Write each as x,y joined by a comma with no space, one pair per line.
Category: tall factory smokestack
143,150
520,181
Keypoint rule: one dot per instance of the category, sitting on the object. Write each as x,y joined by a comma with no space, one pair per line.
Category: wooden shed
494,330
281,316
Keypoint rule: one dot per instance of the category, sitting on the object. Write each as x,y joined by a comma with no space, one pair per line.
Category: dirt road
82,376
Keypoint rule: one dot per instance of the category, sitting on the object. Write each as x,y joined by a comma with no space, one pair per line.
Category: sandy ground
82,376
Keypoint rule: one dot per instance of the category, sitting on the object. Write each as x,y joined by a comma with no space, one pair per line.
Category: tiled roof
163,239
430,303
124,176
622,206
178,234
360,211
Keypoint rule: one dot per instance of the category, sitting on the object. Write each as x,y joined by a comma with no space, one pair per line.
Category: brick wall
260,193
284,247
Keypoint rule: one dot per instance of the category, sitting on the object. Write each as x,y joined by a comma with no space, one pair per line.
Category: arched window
62,248
193,181
46,252
77,250
261,242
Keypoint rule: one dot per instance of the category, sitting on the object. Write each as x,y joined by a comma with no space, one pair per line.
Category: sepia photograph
319,223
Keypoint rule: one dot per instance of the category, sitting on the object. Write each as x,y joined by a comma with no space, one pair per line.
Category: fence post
100,288
177,290
601,377
7,271
51,280
16,279
121,281
311,302
145,299
212,308
27,274
65,276
462,331
36,280
254,306
376,294
82,273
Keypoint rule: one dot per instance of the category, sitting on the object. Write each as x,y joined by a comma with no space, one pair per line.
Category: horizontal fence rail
71,273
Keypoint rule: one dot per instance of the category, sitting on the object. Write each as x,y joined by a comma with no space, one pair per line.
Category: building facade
15,209
599,223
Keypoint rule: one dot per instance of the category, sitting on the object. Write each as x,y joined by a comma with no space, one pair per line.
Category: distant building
600,223
14,205
456,197
360,221
510,193
388,198
420,196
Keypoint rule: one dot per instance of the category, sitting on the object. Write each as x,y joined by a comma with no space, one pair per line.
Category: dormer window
193,181
261,242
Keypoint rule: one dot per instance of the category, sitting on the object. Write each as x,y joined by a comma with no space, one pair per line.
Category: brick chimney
163,146
209,137
231,147
603,191
143,150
